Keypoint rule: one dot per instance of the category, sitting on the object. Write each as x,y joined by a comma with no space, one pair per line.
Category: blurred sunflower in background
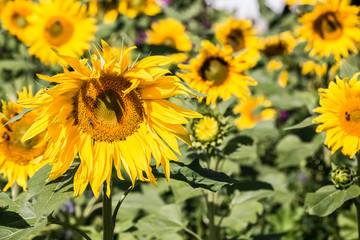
59,24
252,110
331,29
19,160
239,34
340,115
277,45
169,32
111,112
218,74
107,10
132,8
14,16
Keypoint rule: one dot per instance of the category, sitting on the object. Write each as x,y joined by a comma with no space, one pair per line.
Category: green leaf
347,70
347,222
19,116
199,177
327,199
305,123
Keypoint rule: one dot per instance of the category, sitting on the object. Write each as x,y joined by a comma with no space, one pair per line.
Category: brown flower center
276,49
328,26
215,70
58,31
236,40
19,20
102,110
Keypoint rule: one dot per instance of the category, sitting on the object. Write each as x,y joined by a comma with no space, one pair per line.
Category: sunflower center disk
58,31
215,70
236,40
349,117
138,4
275,49
103,111
206,129
169,42
328,26
19,21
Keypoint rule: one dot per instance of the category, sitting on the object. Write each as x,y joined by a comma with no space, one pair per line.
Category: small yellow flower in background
277,45
283,78
303,2
340,115
114,112
310,67
169,32
60,24
274,65
110,10
239,34
19,160
331,29
132,8
218,74
251,111
14,16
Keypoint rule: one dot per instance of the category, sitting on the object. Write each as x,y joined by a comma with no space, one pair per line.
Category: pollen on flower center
58,31
328,26
102,110
215,70
350,117
206,129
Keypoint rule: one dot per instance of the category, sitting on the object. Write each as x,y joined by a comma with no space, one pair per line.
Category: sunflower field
179,119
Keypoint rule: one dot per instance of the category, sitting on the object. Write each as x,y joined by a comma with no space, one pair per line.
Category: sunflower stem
53,220
107,218
15,190
120,202
357,200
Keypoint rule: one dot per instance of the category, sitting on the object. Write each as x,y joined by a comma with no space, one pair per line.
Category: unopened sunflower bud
342,177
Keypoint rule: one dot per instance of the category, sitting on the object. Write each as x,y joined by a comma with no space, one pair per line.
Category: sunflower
59,24
303,2
283,78
331,29
218,74
340,115
19,160
108,15
14,16
239,34
277,45
310,67
112,112
169,32
253,109
132,8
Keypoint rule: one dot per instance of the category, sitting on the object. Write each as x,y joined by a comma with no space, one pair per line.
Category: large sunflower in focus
60,24
169,32
19,160
239,34
132,8
14,16
218,74
114,112
340,115
331,29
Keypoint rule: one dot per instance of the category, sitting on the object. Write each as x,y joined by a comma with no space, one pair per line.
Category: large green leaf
347,69
327,199
305,123
347,221
199,177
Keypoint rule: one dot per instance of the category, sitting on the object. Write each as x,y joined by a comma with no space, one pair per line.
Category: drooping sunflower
331,29
114,112
132,8
239,34
218,74
277,45
340,115
14,16
60,24
252,110
169,32
19,160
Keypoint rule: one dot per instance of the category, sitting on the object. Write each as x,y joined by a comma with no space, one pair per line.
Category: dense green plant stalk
357,200
107,216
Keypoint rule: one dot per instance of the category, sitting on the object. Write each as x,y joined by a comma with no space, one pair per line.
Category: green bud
342,177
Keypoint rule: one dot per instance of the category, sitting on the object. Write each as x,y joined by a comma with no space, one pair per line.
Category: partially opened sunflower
112,112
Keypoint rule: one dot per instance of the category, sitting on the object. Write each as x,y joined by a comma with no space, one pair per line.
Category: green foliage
327,199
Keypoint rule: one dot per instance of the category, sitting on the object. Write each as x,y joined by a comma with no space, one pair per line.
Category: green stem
107,219
192,233
15,190
53,220
120,202
211,215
